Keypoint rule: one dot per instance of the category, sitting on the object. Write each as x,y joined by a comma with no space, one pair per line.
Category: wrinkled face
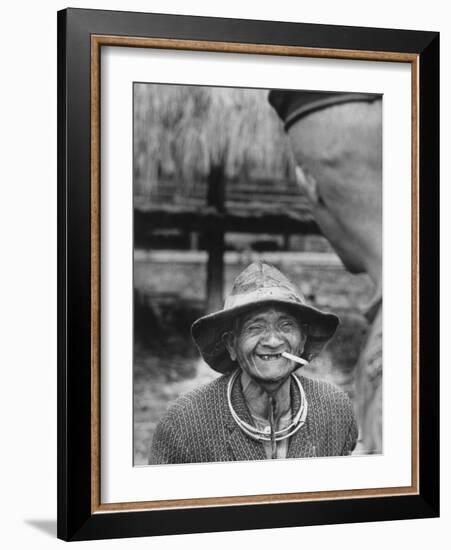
258,340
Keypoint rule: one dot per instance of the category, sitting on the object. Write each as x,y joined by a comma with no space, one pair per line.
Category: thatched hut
209,160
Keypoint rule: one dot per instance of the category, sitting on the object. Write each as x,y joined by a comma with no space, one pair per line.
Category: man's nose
272,338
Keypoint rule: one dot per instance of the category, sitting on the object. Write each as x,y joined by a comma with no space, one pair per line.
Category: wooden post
215,240
286,242
194,240
215,270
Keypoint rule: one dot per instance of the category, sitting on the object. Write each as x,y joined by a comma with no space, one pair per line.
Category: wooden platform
258,206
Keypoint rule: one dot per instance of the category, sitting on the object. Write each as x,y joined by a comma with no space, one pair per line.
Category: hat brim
207,332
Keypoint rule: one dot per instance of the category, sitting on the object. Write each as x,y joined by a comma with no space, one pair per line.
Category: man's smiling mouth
269,357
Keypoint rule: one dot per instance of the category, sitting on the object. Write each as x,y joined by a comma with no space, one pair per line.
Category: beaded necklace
265,435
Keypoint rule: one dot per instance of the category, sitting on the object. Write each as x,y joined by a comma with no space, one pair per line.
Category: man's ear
228,339
307,185
305,334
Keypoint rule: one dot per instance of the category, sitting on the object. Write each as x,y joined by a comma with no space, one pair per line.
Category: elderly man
259,408
336,138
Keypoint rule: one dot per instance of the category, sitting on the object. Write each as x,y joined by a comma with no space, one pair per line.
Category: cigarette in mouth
294,358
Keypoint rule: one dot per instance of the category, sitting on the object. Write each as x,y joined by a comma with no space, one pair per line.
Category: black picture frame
76,518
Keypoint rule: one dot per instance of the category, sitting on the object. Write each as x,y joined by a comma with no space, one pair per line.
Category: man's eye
255,328
287,325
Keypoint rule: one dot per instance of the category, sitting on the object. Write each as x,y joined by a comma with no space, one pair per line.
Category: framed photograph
236,201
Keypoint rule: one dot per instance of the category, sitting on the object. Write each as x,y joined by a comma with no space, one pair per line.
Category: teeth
269,357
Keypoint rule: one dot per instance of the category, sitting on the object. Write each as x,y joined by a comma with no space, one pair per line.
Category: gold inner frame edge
97,41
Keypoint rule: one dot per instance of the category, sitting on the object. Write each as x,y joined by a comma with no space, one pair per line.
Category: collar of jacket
245,448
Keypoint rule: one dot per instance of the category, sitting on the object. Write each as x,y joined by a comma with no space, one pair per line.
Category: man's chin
271,384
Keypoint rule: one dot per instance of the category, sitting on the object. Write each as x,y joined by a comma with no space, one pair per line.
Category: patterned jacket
199,427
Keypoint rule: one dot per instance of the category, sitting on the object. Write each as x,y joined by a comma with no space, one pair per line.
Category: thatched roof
180,132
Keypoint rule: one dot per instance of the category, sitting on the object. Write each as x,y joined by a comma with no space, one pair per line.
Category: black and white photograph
203,206
257,274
